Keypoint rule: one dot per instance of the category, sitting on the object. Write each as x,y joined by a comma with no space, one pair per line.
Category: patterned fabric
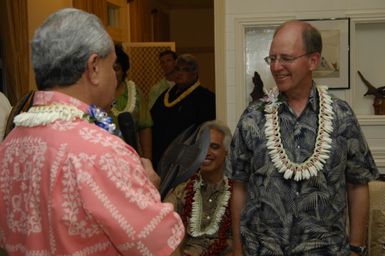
284,217
71,188
210,195
157,90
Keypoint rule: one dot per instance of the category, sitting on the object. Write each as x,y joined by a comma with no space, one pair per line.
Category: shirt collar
312,102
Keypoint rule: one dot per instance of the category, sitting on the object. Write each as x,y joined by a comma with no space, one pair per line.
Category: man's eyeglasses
283,59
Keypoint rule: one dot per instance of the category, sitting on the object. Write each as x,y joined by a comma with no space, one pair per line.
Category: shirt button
208,217
210,200
297,193
298,146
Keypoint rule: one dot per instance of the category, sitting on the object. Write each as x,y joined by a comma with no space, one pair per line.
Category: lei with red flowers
219,244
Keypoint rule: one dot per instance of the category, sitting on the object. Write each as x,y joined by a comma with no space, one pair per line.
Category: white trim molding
371,120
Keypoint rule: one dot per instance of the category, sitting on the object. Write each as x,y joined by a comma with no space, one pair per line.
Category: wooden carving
378,93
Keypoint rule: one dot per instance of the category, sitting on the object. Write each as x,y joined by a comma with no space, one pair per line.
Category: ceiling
188,4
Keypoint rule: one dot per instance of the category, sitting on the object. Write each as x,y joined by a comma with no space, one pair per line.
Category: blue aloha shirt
285,217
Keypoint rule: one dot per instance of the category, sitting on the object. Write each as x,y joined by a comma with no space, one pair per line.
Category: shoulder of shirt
202,89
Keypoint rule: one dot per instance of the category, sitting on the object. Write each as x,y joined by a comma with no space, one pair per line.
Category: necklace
131,99
43,115
222,215
315,163
180,97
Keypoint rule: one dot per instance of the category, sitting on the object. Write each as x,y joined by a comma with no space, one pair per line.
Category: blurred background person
129,98
5,108
185,104
203,201
167,61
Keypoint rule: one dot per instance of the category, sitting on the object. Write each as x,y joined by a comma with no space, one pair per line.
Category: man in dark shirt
299,161
185,104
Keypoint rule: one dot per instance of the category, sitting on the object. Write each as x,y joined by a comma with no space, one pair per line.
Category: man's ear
314,60
93,68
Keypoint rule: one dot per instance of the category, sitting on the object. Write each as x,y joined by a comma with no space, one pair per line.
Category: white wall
367,53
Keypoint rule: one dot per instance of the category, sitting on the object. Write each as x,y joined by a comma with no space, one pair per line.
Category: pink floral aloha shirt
71,188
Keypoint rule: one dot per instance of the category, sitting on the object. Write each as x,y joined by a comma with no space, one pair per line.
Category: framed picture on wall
334,68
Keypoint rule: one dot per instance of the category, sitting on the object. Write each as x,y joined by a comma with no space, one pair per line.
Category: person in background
129,98
203,201
185,104
167,61
5,109
299,161
67,185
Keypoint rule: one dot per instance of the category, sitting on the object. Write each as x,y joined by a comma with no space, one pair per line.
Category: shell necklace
180,97
315,163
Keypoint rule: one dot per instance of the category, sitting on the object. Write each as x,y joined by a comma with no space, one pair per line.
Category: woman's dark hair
122,59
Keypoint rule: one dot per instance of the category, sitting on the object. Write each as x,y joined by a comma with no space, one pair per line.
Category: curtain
15,48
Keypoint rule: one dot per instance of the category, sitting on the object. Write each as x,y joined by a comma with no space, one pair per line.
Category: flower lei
43,115
222,216
100,118
323,142
180,97
131,99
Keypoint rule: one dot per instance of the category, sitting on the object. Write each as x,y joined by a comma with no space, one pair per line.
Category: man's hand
151,174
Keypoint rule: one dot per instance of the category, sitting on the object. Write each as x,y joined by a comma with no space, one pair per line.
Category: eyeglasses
283,59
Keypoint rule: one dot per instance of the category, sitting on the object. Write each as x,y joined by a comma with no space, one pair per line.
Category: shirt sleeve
176,197
155,91
360,165
118,194
240,154
145,120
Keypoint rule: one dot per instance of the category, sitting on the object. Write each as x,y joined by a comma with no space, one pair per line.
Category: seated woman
129,98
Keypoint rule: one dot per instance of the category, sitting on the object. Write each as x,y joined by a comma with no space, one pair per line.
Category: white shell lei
196,212
322,147
43,115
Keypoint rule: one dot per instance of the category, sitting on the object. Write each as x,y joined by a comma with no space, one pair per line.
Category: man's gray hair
188,60
62,45
221,127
